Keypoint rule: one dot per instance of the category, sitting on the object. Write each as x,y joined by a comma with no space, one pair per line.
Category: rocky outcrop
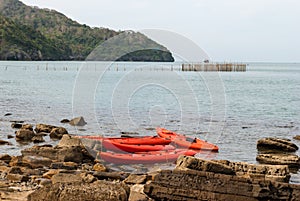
198,179
251,171
57,133
297,137
192,185
44,128
25,134
276,144
99,190
293,161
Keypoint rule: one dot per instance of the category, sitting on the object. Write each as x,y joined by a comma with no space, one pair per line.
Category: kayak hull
187,142
119,147
145,158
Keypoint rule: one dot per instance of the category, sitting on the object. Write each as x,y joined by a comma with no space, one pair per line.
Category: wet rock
8,114
293,161
38,139
44,128
99,190
297,137
65,121
10,137
37,161
277,145
136,179
16,126
78,121
2,142
64,165
6,158
57,133
98,167
137,193
24,135
27,127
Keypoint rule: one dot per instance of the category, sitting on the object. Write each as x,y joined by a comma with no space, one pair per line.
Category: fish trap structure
217,67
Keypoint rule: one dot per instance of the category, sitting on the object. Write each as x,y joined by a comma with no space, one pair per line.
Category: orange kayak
145,158
187,142
132,148
145,140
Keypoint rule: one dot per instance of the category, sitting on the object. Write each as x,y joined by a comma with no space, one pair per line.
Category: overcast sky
228,30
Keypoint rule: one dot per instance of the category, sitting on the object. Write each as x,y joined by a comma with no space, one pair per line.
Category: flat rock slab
277,145
99,190
293,161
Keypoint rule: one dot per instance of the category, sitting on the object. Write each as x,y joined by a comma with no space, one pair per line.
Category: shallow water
232,110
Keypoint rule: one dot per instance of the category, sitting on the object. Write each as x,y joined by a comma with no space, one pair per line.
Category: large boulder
277,145
99,190
78,121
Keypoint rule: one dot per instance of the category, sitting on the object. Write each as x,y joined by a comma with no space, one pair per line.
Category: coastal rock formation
24,134
78,121
276,144
297,137
197,179
57,133
44,128
99,190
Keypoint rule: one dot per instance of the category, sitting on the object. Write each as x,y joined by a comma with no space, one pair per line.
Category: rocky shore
72,171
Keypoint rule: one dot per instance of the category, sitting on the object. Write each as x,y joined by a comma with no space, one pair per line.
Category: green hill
58,37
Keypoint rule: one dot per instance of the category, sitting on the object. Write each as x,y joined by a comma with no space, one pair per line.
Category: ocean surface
231,109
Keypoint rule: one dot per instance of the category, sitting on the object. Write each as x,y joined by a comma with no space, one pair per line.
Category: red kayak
131,148
186,142
145,140
145,158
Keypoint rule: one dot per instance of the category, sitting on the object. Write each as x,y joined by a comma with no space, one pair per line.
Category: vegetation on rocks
31,33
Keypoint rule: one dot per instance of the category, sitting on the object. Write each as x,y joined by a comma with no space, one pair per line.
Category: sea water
231,109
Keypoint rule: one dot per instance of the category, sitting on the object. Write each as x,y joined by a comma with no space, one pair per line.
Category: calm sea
230,109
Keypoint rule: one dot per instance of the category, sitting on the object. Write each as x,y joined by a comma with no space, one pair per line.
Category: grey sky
231,30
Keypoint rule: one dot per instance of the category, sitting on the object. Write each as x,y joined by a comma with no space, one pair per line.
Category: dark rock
58,133
10,137
65,121
44,128
17,122
78,121
64,165
6,158
15,170
194,185
136,179
277,145
293,161
25,135
111,175
99,190
297,137
16,125
125,133
8,114
2,142
38,139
